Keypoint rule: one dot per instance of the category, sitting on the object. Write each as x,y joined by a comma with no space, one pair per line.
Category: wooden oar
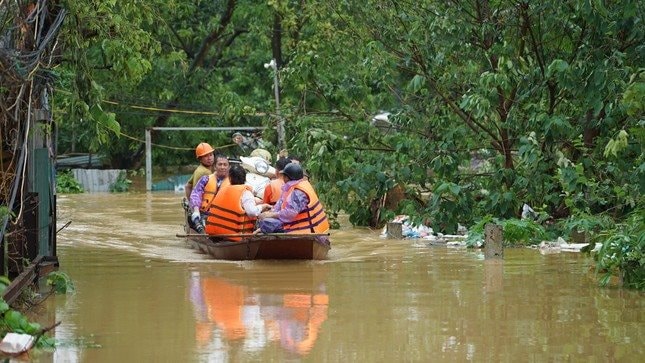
184,235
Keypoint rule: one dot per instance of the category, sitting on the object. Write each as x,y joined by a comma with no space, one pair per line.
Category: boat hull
261,247
274,246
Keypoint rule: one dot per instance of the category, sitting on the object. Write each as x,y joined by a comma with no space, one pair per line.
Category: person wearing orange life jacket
298,210
204,153
273,190
233,210
206,188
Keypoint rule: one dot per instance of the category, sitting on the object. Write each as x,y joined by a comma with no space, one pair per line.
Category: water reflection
493,275
257,311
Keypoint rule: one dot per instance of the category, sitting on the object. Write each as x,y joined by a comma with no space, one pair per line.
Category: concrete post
493,241
394,230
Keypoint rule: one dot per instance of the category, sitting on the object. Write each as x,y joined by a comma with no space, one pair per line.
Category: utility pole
276,88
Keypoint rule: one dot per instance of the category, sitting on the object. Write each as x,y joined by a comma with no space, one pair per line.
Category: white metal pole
148,161
276,86
276,89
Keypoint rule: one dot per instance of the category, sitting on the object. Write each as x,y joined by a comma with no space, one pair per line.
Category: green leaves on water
60,282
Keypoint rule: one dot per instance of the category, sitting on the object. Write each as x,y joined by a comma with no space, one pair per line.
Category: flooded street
143,296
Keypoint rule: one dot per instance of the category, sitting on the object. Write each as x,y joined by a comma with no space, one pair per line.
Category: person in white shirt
237,176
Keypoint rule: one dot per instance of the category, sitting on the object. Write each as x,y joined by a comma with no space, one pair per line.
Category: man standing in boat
234,209
298,210
204,153
205,190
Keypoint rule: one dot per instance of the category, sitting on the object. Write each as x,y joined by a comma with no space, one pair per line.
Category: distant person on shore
298,210
294,159
234,209
244,144
206,188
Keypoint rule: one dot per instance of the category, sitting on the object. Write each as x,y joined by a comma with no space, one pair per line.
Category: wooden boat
272,246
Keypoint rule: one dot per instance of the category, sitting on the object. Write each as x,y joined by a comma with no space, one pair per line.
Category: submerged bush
122,183
623,252
60,282
517,232
12,320
66,183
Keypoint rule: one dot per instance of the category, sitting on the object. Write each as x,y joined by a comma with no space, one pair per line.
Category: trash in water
15,343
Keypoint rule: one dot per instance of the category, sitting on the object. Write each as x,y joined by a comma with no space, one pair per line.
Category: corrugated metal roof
79,161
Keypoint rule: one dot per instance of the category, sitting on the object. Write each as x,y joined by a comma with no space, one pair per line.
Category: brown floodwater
143,296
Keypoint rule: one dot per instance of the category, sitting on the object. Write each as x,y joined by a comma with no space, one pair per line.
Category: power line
170,110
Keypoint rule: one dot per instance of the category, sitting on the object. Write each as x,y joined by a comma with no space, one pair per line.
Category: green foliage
523,232
60,282
586,223
623,252
4,283
516,232
14,321
5,211
66,183
557,122
121,184
475,237
18,323
634,97
127,61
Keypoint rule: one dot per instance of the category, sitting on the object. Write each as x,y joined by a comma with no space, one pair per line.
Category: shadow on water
142,295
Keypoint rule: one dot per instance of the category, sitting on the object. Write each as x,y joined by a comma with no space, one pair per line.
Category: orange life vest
210,191
226,214
311,220
273,191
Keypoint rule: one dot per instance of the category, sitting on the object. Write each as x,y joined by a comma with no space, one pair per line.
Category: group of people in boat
225,200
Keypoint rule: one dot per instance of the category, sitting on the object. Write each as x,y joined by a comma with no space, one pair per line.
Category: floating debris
411,231
15,343
560,245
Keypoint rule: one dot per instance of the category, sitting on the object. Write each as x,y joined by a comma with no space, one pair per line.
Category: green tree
143,64
534,89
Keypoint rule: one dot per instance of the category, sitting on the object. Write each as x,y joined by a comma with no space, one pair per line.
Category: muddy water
143,296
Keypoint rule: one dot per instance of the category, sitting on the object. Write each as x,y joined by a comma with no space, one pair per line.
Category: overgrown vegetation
67,183
623,252
12,320
492,104
516,232
60,282
121,184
